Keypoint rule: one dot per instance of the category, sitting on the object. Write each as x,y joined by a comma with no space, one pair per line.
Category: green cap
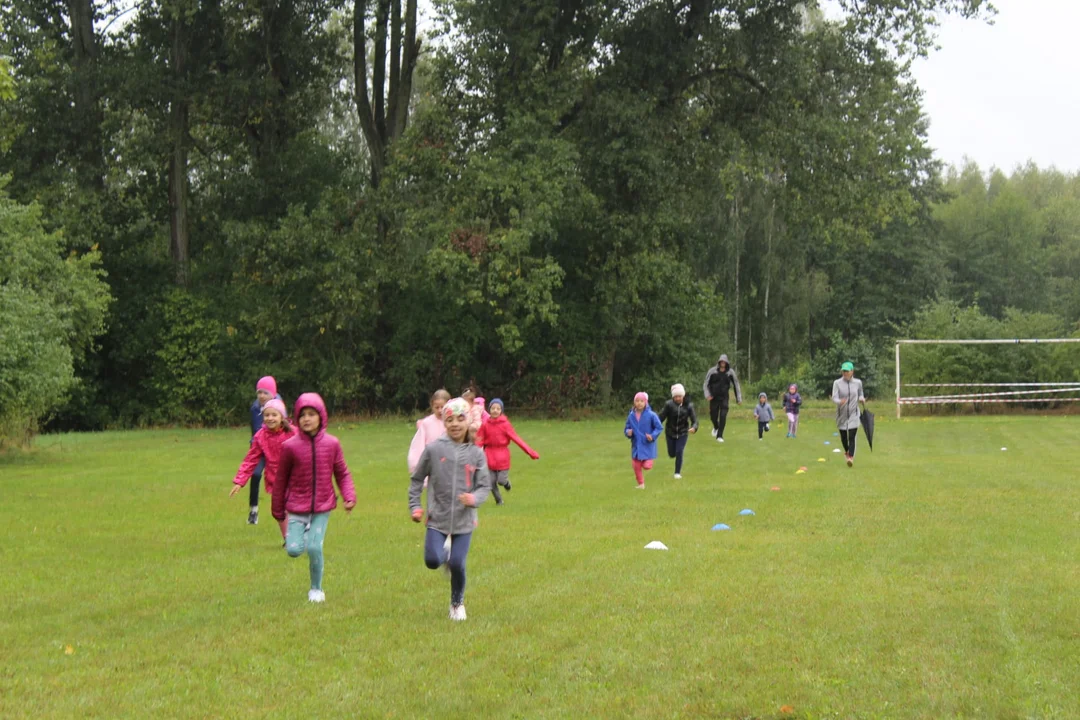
847,367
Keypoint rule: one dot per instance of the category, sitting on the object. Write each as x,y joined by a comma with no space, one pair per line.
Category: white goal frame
1040,391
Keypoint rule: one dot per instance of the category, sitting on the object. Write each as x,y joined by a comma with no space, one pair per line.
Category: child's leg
637,471
795,425
680,447
433,548
459,550
672,448
296,535
315,536
791,423
495,483
253,484
760,429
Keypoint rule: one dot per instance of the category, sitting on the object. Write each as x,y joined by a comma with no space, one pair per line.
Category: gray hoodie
764,412
847,394
721,382
451,469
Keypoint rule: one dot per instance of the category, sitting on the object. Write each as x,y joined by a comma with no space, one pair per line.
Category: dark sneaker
507,486
253,517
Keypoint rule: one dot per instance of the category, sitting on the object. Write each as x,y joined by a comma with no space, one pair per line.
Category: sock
254,508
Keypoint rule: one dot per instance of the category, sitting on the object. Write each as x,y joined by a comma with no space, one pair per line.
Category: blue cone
836,434
720,526
828,443
747,511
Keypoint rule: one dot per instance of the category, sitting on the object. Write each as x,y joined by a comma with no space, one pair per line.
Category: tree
51,310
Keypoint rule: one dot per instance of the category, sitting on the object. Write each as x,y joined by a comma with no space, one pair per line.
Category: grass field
939,578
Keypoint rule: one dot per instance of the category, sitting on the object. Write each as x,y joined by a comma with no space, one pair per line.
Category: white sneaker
316,596
457,613
719,439
640,487
713,432
678,476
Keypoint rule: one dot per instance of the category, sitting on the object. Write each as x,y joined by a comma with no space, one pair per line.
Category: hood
499,420
311,400
723,359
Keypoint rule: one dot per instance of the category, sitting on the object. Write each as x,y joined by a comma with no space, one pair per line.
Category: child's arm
628,431
657,428
416,446
481,483
520,443
416,484
663,414
281,483
481,436
344,479
693,417
254,454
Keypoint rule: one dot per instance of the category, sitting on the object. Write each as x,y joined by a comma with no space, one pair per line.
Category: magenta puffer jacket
309,465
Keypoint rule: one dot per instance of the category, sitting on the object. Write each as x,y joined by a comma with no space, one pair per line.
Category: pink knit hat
278,405
642,396
268,383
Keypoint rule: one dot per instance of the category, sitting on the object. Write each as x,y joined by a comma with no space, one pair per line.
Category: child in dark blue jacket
643,428
265,391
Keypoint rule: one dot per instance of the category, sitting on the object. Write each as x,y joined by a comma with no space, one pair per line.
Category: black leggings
256,476
675,449
847,437
718,409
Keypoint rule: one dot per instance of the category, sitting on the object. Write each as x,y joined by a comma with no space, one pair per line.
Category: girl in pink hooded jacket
429,429
266,449
304,487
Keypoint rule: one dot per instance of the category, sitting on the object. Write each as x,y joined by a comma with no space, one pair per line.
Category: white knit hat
677,389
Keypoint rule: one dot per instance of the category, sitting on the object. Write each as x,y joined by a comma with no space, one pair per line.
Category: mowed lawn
939,578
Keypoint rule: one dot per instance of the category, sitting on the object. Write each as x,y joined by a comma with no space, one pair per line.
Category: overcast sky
1005,93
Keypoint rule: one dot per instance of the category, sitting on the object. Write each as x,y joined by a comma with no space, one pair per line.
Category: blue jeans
434,557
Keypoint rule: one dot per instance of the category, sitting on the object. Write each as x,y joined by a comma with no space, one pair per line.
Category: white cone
656,545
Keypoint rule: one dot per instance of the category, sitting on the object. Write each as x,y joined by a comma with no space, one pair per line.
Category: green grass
939,578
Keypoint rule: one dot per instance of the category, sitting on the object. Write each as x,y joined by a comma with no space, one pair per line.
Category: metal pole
897,381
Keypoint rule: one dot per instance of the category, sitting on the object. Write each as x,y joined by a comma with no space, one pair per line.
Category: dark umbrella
867,420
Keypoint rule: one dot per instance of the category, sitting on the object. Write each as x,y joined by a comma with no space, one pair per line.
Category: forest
559,201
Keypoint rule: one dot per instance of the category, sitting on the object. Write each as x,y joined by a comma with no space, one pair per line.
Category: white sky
1005,93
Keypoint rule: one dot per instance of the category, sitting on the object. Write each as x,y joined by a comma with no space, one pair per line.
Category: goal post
1026,391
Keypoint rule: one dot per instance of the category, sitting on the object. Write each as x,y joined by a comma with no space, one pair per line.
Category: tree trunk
179,239
607,373
87,115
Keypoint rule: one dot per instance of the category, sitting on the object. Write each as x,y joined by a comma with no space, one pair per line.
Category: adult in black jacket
680,422
718,383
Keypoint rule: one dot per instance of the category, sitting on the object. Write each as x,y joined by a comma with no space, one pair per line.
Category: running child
792,403
458,482
680,423
477,415
304,490
764,414
495,436
643,428
429,429
266,449
265,391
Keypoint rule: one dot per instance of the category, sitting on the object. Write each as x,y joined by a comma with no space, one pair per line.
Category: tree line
556,200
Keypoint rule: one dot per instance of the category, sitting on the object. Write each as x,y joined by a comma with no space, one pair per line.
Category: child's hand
235,489
349,506
629,433
467,499
693,430
648,437
535,456
418,515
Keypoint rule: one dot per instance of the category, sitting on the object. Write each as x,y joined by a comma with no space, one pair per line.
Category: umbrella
867,420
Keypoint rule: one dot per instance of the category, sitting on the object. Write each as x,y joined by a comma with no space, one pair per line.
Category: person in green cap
847,393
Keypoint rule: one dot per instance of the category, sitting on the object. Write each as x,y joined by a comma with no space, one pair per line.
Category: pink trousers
640,465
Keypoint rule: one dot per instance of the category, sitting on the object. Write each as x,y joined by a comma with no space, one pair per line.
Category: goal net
1034,372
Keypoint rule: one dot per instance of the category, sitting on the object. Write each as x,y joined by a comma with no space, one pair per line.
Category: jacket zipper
313,466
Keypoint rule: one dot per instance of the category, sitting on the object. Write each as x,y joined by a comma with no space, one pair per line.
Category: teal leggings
304,536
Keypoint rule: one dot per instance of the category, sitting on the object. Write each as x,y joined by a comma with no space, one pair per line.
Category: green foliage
52,308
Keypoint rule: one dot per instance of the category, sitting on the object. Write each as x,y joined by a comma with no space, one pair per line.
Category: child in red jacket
495,436
304,488
266,449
